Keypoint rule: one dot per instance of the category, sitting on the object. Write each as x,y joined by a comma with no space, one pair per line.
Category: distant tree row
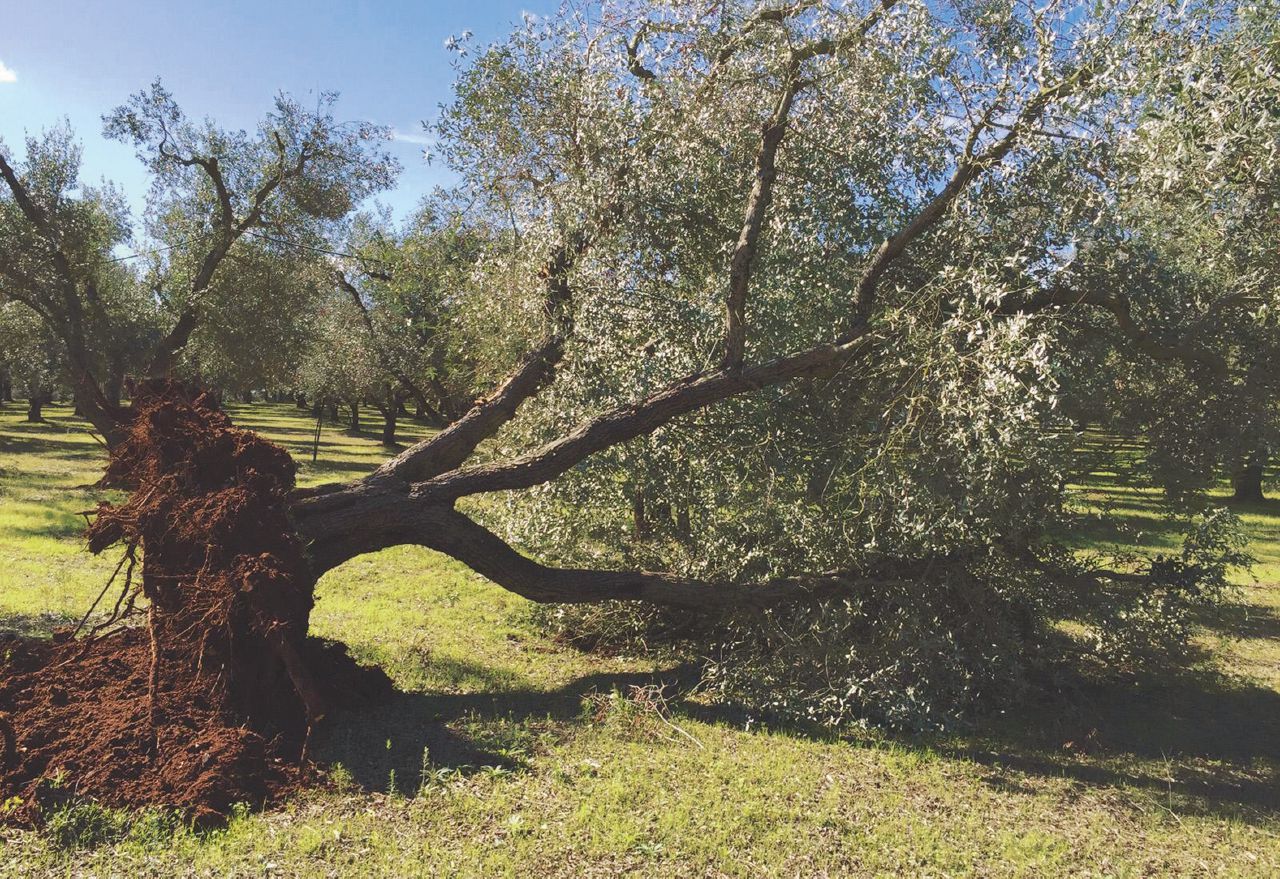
253,274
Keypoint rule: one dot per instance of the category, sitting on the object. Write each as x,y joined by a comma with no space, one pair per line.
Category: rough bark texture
35,406
389,414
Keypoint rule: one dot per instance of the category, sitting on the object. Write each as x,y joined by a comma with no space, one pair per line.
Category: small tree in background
213,189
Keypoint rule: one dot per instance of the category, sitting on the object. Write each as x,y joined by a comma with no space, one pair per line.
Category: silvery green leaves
953,185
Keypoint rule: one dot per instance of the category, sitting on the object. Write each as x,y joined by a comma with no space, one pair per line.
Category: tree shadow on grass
1243,621
393,745
52,442
1202,743
42,625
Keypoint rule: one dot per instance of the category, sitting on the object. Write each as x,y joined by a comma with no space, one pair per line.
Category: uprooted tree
780,289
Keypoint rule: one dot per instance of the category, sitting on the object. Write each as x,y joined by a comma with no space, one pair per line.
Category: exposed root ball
211,701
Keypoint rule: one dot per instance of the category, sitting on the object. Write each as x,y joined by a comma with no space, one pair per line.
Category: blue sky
226,59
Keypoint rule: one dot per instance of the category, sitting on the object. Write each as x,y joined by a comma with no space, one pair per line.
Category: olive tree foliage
260,318
409,287
1186,249
792,288
110,319
214,192
29,360
339,365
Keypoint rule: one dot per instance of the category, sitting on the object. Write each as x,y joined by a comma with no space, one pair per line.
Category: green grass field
507,754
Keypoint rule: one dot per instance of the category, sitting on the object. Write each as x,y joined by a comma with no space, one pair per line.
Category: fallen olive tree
784,298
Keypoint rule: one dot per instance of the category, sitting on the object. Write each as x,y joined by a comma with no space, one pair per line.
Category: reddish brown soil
210,702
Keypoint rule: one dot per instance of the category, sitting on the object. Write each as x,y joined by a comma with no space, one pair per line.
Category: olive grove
795,308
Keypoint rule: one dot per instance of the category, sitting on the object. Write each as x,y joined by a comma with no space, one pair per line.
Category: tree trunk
354,424
684,528
35,406
1248,479
389,414
113,386
300,400
639,519
6,387
246,396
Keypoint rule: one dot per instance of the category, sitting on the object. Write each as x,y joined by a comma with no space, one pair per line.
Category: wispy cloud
419,139
7,74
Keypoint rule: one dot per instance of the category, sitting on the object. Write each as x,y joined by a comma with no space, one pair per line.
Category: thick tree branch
635,419
766,171
229,231
969,167
744,252
1120,308
365,518
487,554
452,446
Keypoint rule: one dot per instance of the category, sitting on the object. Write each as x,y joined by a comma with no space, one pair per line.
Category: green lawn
489,764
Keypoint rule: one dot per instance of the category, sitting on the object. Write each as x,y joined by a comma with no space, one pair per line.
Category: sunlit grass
1182,781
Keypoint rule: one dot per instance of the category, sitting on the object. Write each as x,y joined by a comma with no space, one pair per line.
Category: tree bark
348,521
639,519
113,388
354,423
389,414
1247,481
35,406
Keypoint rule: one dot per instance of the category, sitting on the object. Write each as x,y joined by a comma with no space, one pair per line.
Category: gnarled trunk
1247,481
389,414
113,385
35,406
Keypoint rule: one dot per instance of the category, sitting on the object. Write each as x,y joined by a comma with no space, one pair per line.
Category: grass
509,755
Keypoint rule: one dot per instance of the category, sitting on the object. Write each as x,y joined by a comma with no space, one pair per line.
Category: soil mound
211,702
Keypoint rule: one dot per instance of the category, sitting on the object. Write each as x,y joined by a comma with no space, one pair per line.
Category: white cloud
7,74
419,139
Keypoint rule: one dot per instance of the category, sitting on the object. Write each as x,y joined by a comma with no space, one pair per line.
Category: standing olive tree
213,191
28,358
1186,254
408,287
